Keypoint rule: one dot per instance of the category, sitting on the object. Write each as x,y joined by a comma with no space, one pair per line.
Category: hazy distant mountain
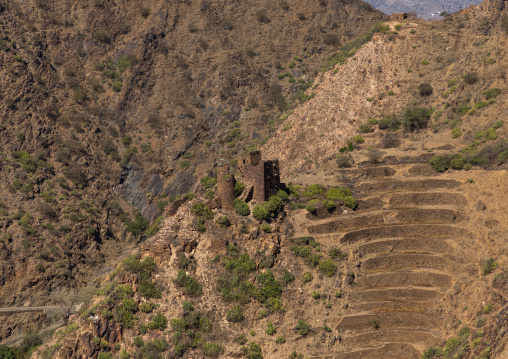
424,8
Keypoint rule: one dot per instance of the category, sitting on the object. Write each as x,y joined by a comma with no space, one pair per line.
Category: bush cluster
188,333
208,182
200,209
189,283
487,157
241,207
343,194
416,118
269,209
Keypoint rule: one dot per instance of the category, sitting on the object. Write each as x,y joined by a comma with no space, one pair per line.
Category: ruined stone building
399,16
261,179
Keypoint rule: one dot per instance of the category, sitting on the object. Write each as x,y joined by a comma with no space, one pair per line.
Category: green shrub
315,294
209,194
358,139
262,313
282,195
307,277
260,212
270,288
202,210
336,253
159,322
374,324
350,202
457,163
148,290
191,285
212,350
147,307
389,122
489,266
328,205
138,342
142,329
280,339
336,193
208,182
274,205
30,342
440,163
187,306
239,187
240,339
117,86
138,226
303,328
311,209
270,329
253,351
432,352
287,277
241,207
365,128
416,118
105,356
125,312
327,267
313,190
224,222
266,228
491,93
338,293
456,132
235,314
470,78
6,352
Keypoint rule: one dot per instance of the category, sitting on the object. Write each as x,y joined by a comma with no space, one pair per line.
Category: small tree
425,89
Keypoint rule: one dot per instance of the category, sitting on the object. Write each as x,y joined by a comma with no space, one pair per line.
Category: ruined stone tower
226,187
261,177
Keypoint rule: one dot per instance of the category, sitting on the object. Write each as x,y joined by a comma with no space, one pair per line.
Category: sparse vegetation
489,266
303,328
416,118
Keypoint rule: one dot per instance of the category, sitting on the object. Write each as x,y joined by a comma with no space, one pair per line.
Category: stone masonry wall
226,187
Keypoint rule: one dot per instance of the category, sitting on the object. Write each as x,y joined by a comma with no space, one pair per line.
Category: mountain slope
110,108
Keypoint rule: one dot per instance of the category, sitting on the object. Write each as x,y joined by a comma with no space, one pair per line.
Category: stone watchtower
226,187
262,178
399,16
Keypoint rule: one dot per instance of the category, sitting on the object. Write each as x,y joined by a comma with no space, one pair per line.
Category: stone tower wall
271,178
226,187
263,177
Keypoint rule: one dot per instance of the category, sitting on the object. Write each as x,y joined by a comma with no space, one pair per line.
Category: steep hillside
389,73
389,240
114,107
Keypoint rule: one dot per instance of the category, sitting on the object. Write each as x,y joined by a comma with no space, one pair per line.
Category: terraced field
403,239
